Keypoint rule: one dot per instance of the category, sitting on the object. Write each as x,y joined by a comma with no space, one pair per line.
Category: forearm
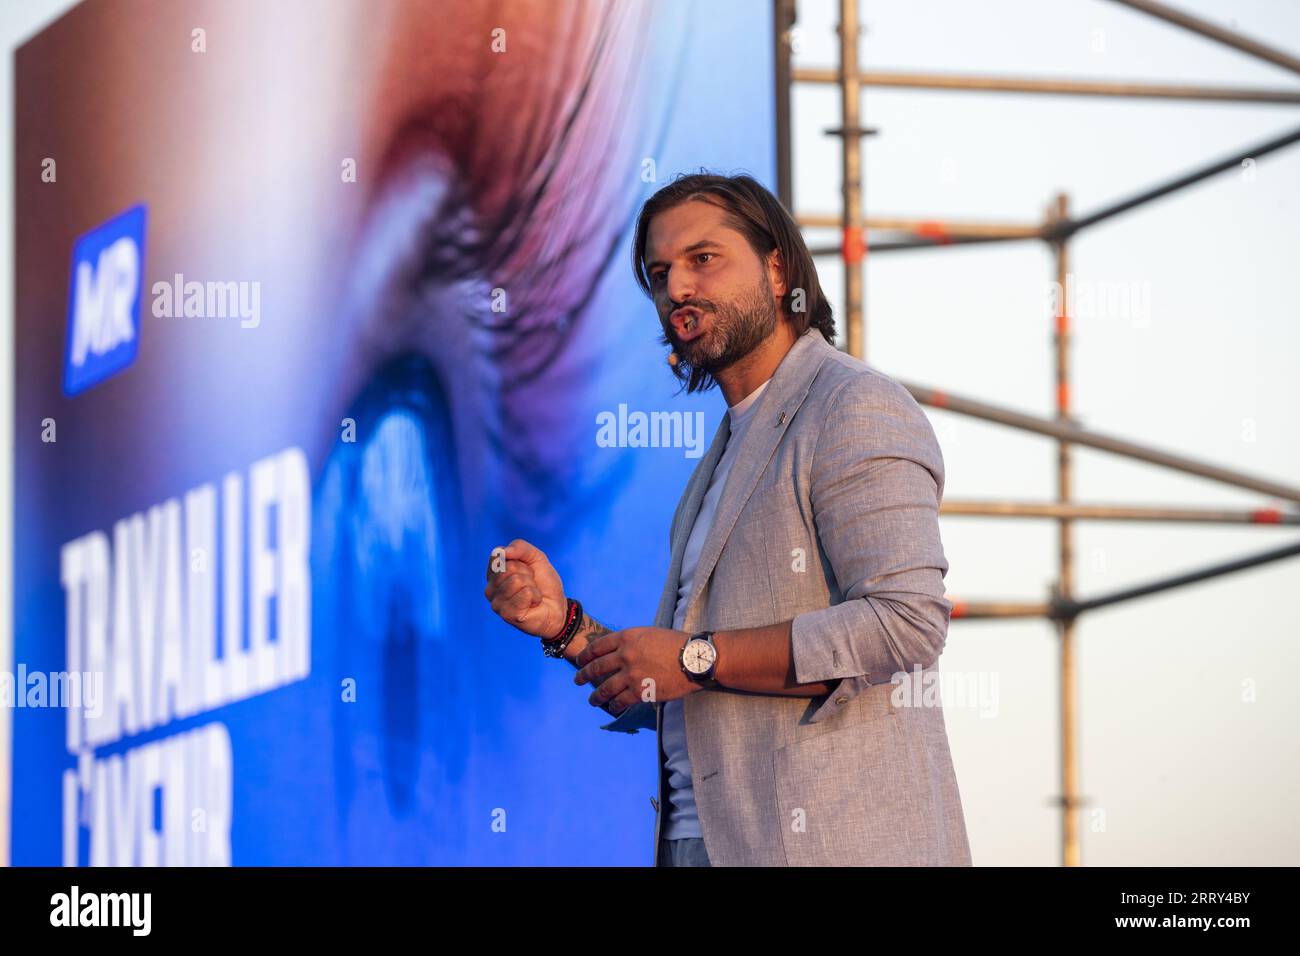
588,631
761,660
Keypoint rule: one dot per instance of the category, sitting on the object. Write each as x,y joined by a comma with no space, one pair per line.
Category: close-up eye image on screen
461,452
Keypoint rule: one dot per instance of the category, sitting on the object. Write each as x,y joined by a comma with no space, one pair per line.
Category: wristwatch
699,659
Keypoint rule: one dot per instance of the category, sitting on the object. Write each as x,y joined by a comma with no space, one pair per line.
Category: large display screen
317,303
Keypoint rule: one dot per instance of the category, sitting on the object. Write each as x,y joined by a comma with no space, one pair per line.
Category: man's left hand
639,663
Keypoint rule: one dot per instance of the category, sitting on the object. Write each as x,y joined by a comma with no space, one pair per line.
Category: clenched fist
525,590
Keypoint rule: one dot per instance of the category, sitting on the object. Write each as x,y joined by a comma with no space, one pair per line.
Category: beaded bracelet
573,620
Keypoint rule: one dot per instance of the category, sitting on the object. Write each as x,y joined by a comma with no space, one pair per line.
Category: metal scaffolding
1062,607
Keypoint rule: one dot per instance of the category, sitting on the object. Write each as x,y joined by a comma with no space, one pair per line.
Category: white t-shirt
682,820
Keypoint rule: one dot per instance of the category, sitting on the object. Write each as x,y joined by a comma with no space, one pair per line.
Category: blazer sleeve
875,488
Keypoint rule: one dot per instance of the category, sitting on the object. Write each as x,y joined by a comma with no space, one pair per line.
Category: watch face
699,656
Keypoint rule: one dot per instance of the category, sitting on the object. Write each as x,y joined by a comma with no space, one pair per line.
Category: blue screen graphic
263,548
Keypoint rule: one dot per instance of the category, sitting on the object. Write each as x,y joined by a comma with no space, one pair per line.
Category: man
806,571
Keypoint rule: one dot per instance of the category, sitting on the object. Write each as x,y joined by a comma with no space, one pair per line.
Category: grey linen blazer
830,517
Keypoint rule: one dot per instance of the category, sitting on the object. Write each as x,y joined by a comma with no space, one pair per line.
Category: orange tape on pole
855,246
934,230
1266,516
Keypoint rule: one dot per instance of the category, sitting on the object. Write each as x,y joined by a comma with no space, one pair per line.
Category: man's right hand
525,590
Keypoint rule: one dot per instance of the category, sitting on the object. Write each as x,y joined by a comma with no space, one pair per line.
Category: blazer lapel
776,408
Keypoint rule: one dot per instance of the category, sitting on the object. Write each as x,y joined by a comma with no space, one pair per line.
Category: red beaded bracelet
556,645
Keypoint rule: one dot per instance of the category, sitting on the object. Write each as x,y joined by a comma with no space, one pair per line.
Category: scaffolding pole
1023,84
853,244
1219,34
1020,509
1069,796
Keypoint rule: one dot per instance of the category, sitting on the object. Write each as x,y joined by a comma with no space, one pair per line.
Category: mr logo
104,301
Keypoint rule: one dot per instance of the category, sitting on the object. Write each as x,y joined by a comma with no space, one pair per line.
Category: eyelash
655,277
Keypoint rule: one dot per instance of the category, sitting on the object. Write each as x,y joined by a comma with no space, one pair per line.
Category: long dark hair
759,216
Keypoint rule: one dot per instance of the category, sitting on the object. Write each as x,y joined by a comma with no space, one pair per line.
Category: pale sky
1183,770
1187,737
